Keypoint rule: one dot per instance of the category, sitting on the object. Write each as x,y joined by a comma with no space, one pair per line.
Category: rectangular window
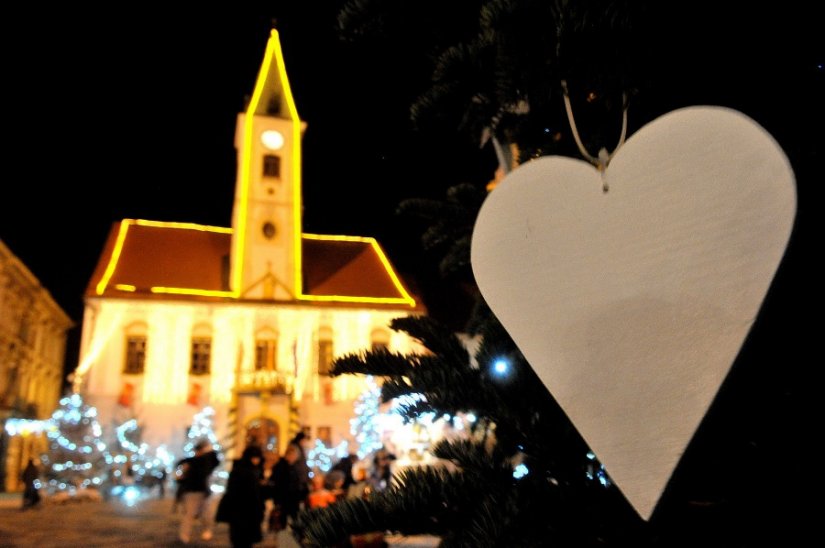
135,355
272,166
266,355
324,357
201,355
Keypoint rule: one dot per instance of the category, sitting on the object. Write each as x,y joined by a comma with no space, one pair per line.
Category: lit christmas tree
365,425
133,461
77,457
203,428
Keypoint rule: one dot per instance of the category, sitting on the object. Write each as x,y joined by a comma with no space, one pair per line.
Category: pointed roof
150,259
272,95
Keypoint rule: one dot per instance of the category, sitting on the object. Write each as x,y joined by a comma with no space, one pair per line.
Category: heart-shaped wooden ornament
631,305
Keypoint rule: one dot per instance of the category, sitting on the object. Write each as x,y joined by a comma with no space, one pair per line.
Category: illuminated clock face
269,230
271,139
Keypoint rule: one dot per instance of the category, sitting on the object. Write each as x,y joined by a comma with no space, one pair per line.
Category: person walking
242,505
286,488
31,480
194,491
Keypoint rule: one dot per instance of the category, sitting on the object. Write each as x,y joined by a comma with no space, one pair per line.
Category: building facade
244,319
33,333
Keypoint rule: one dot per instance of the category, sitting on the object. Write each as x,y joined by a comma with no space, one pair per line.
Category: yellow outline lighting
121,239
273,48
187,226
186,291
110,268
126,223
273,51
404,299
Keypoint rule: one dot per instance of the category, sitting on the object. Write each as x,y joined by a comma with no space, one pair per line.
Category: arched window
379,339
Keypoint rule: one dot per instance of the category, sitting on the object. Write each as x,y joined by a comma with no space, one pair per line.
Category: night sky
107,117
135,118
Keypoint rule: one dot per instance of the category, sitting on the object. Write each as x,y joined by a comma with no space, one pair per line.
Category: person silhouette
31,482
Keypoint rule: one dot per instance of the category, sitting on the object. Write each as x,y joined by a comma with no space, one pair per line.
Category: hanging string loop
603,158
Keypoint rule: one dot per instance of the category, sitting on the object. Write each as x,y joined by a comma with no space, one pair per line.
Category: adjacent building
245,319
33,334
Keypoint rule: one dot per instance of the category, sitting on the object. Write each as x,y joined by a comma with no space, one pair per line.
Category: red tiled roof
196,258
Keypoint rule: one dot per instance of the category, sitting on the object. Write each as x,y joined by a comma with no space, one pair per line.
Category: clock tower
265,260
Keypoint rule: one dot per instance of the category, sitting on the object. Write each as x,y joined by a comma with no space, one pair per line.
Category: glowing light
596,471
121,239
189,291
72,462
403,299
322,457
130,495
121,432
25,427
125,287
520,471
110,268
273,49
365,426
501,367
273,140
100,339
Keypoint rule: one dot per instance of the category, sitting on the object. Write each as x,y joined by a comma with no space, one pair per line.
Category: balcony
274,382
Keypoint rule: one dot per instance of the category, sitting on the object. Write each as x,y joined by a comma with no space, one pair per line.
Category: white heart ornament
631,305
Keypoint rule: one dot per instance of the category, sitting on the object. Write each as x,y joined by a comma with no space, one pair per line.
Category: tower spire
266,218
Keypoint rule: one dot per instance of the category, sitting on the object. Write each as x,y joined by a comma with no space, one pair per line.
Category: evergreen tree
364,426
77,456
134,458
203,429
500,68
524,477
519,75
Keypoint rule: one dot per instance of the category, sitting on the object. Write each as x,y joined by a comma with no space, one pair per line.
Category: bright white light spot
501,367
520,471
273,140
131,495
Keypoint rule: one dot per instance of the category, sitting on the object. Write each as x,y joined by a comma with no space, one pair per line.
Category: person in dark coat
287,488
242,504
30,477
194,490
301,442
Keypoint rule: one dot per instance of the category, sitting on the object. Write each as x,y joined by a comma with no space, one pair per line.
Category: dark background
109,116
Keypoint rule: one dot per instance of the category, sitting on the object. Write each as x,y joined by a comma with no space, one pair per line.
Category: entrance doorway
265,433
